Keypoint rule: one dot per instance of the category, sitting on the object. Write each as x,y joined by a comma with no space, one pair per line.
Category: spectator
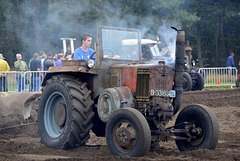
42,52
35,65
55,57
58,63
44,56
21,66
4,67
230,64
48,62
84,52
68,53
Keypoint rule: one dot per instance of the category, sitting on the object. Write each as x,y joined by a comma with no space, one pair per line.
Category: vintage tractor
120,97
192,80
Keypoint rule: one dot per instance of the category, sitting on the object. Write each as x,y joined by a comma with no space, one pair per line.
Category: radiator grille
142,85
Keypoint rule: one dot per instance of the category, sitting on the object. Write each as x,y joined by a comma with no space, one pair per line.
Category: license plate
164,93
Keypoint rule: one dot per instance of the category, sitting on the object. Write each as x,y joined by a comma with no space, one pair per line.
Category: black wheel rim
196,81
197,138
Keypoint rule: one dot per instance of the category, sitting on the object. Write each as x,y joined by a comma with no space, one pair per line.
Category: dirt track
24,143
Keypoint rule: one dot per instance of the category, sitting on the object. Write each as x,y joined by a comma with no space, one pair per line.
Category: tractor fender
68,70
112,99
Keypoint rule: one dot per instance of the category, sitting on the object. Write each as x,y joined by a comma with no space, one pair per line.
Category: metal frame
218,76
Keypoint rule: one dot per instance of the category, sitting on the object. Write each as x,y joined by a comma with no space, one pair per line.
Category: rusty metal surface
125,136
60,114
112,99
140,78
188,51
129,77
72,69
161,77
73,62
127,99
116,75
181,38
108,102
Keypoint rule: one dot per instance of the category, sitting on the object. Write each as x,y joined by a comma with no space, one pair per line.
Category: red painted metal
129,77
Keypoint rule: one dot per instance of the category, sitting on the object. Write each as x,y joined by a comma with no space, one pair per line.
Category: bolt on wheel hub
123,136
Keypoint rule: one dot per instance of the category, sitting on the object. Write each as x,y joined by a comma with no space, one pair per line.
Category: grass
219,80
12,83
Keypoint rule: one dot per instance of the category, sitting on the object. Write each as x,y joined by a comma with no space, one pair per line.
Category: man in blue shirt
68,52
230,64
84,52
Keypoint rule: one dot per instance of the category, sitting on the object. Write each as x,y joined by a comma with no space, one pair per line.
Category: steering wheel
110,50
164,51
92,55
147,55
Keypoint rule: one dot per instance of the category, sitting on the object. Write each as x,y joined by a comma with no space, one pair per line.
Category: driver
84,52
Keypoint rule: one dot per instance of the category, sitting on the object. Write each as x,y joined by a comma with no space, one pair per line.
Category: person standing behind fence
44,56
35,65
48,62
4,67
230,64
21,66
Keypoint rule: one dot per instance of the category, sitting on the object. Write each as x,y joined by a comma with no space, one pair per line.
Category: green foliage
71,18
212,13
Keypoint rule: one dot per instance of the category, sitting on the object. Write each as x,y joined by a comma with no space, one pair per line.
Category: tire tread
81,108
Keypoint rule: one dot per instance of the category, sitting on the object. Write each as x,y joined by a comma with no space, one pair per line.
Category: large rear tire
65,113
197,81
187,82
128,133
205,128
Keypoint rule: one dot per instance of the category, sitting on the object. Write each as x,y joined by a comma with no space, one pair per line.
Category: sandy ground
23,143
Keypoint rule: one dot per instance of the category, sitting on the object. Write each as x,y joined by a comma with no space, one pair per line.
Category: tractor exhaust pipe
179,68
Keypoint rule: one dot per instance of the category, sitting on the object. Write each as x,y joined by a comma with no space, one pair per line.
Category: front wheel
65,113
128,133
197,81
202,125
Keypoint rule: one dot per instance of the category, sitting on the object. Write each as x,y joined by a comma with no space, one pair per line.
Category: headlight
90,63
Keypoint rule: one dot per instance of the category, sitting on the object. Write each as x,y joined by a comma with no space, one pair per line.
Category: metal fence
222,76
15,81
31,81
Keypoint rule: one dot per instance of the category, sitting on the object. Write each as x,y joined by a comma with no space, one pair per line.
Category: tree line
211,26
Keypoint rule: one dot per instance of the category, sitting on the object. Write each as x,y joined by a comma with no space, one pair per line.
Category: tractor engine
161,112
146,87
153,93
